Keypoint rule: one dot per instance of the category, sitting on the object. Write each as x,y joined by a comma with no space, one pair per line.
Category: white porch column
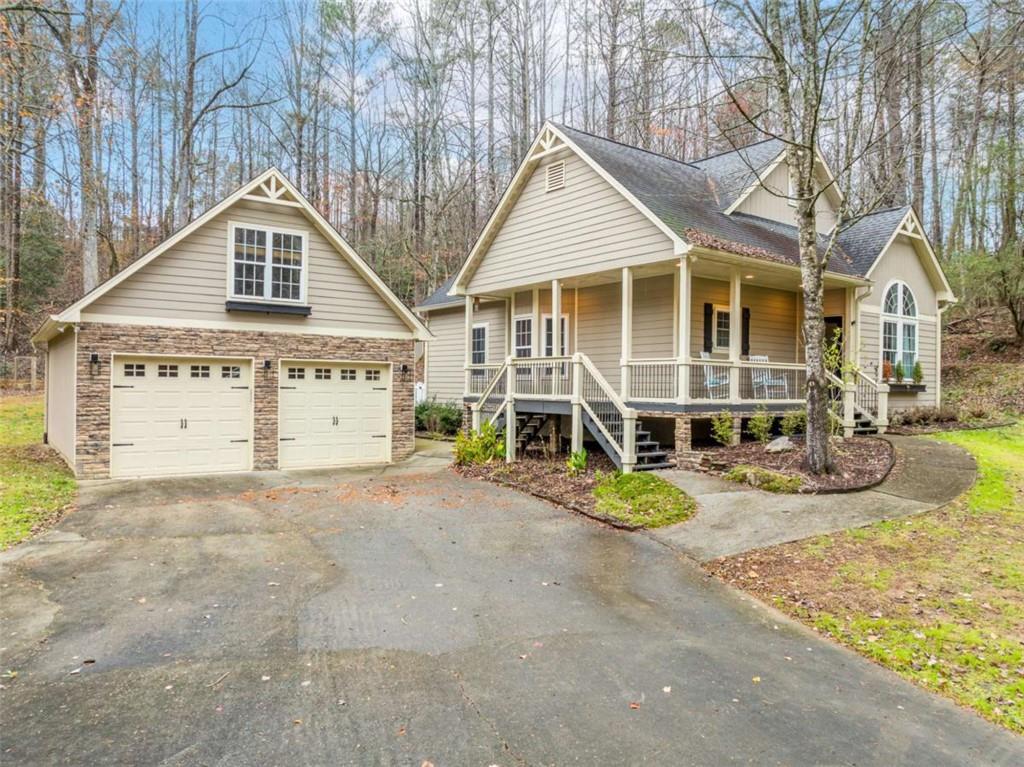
577,403
627,330
510,414
683,333
509,330
850,342
735,333
537,334
556,319
468,356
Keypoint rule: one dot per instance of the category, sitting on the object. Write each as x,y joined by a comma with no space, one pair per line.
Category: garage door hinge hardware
123,386
379,436
123,444
239,440
287,439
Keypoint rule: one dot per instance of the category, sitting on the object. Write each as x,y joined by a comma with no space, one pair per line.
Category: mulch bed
860,462
547,479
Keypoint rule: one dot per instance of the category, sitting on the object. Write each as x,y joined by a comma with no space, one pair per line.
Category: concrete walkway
732,518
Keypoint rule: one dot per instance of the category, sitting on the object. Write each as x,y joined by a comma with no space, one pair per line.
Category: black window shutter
746,331
709,320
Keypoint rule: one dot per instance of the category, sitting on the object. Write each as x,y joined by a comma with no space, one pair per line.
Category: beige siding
927,352
60,395
901,262
774,205
585,227
654,317
189,281
446,353
772,318
600,328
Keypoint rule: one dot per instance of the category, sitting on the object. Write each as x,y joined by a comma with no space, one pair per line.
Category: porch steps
649,455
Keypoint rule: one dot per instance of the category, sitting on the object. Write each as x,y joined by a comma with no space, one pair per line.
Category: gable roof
270,186
688,200
865,239
734,172
440,298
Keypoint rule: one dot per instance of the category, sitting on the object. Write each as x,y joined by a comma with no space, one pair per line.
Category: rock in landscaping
779,445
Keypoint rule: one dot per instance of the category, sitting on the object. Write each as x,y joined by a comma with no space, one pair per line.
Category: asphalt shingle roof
690,201
864,239
440,297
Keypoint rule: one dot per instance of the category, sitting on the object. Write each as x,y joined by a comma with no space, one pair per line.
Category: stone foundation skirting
93,396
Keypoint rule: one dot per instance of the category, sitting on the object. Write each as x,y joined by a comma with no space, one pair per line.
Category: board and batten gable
584,226
188,283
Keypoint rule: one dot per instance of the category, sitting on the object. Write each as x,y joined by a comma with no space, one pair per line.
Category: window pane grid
524,338
479,346
262,272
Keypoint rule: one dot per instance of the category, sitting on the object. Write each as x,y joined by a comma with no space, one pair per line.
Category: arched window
899,327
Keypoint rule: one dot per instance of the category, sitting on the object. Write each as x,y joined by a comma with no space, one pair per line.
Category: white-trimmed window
372,375
523,340
166,371
322,374
899,327
478,347
296,374
199,371
134,370
347,374
563,336
721,328
267,264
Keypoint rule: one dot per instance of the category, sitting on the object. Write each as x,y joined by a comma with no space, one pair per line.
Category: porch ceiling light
748,276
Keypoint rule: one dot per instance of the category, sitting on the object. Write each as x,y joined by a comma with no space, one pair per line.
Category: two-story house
613,284
253,338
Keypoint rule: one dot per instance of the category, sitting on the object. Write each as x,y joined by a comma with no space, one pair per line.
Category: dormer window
267,264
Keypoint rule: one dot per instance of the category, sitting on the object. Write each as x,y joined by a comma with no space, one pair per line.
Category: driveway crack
506,747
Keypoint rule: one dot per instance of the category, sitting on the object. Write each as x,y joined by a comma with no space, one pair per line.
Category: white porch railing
863,393
479,377
542,377
658,380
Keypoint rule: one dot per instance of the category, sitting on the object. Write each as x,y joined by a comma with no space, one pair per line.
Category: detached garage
254,338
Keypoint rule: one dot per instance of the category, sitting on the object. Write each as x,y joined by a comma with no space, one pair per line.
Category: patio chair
762,379
716,382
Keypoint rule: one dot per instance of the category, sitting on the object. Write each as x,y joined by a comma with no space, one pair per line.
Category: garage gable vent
555,176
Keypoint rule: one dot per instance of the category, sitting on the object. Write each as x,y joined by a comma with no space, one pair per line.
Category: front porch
677,338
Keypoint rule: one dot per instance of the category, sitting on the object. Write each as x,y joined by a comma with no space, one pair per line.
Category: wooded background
403,121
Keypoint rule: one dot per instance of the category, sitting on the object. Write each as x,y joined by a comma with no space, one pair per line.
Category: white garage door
334,414
172,415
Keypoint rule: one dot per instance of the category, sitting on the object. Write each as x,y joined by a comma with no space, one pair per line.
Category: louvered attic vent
556,175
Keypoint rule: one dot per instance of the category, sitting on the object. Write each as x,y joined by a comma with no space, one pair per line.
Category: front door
834,334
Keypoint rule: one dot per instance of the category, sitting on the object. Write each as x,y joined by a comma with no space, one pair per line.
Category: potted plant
918,373
898,370
886,370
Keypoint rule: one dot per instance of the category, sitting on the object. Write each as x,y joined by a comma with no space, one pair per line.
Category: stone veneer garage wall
93,412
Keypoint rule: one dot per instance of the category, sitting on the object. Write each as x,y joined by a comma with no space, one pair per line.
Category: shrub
721,427
794,422
918,373
898,371
438,417
642,499
765,479
576,463
479,447
924,415
759,425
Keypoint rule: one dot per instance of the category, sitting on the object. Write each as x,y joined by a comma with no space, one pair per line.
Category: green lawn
35,484
642,498
938,598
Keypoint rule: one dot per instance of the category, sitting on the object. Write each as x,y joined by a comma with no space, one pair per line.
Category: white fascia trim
946,288
165,322
513,190
73,312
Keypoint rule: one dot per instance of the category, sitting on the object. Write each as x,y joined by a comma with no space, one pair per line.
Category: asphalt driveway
411,616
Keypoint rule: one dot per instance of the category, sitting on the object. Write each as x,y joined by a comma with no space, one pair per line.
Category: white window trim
901,321
269,231
515,345
544,338
720,309
487,342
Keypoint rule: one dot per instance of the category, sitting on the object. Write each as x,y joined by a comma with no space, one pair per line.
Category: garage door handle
379,436
287,439
239,440
286,387
122,444
380,388
123,386
239,387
